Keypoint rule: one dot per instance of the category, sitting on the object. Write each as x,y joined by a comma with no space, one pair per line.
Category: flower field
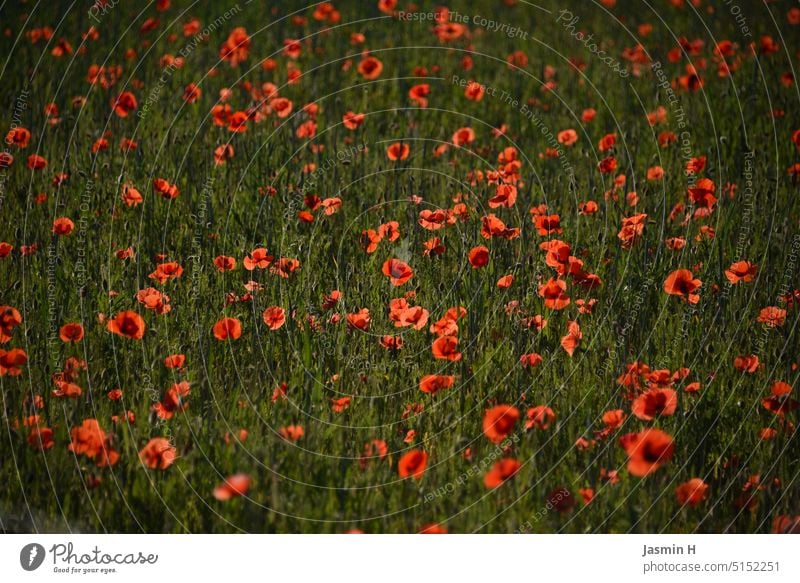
384,267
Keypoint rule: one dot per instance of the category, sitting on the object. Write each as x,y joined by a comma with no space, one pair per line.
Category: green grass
317,484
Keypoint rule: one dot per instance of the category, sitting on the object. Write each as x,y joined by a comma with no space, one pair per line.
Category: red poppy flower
274,317
784,524
474,91
36,162
124,104
414,316
675,243
284,267
572,339
446,348
748,363
281,106
359,320
12,361
779,402
505,196
128,324
224,263
613,419
683,283
331,205
72,332
433,529
233,486
90,440
175,360
352,121
547,225
340,404
463,136
588,208
647,451
370,68
412,463
607,165
237,123
191,93
391,342
434,247
330,300
505,282
741,271
419,94
19,137
655,403
499,422
390,231
41,438
166,271
152,299
397,151
772,316
68,390
434,220
369,240
258,259
702,193
165,189
387,6
10,318
397,271
478,257
501,471
531,360
654,173
227,328
292,432
63,226
692,492
632,229
607,142
567,137
130,196
539,417
236,47
432,384
491,226
554,294
174,400
158,454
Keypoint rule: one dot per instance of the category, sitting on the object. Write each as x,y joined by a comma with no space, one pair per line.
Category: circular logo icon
31,556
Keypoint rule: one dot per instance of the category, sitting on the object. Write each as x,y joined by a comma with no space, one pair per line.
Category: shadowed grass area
679,87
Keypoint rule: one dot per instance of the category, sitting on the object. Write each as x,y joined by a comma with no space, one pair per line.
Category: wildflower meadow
494,266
